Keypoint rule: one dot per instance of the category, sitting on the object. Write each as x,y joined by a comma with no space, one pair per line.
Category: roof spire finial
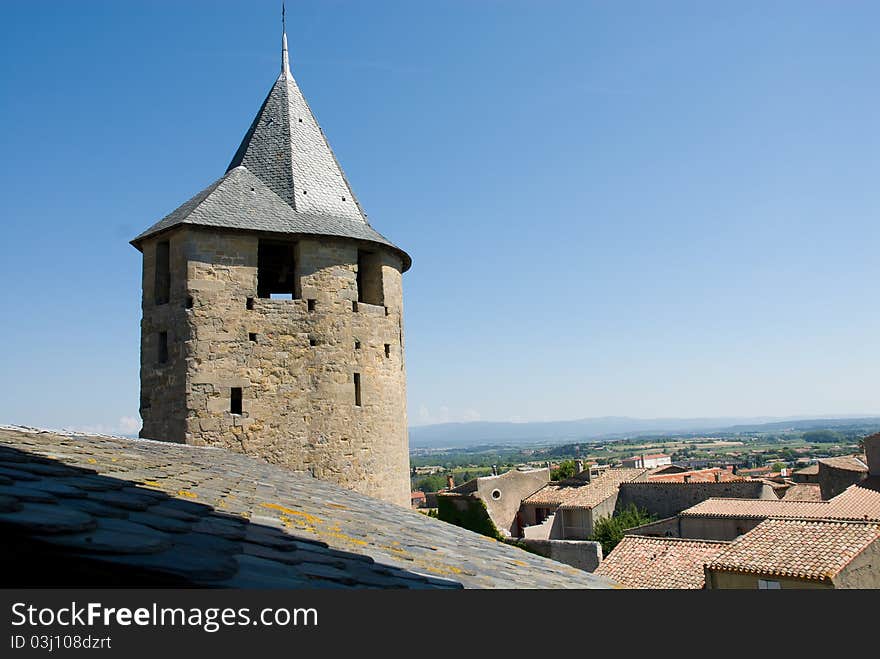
285,60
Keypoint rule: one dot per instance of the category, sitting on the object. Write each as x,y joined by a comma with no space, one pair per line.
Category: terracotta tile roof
578,494
651,456
859,502
812,470
697,476
644,562
815,550
803,492
847,462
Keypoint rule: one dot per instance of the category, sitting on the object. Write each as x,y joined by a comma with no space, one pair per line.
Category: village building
493,500
728,518
837,474
418,499
809,474
709,475
273,313
788,553
649,461
568,509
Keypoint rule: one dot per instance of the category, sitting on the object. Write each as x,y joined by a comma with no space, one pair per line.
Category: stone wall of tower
295,366
163,385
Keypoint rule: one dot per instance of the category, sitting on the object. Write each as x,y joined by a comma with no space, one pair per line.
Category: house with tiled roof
789,553
809,474
709,475
725,519
647,461
650,562
86,512
490,504
837,474
568,509
799,541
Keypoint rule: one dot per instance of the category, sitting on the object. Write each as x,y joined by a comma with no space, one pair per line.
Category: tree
431,483
608,531
822,437
566,469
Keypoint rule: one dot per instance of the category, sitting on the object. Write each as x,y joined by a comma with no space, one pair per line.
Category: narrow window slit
162,284
163,347
357,389
235,400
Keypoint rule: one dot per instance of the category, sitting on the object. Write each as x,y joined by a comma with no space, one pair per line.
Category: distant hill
463,435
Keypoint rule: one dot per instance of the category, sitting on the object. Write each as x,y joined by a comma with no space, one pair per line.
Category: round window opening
496,494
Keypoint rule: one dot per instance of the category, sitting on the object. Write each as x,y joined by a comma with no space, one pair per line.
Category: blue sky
649,209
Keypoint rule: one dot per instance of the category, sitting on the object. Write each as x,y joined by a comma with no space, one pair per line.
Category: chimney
717,476
494,470
686,478
872,453
450,481
578,466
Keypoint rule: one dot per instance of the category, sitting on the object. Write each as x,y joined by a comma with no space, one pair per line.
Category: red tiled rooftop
860,502
815,550
697,476
581,494
803,492
645,562
847,463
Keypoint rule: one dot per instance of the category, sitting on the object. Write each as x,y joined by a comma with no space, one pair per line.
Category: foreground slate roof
284,178
805,549
648,562
133,512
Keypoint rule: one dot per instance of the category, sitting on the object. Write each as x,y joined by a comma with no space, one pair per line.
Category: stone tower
273,313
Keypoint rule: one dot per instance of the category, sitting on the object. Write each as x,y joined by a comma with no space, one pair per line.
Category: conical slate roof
284,178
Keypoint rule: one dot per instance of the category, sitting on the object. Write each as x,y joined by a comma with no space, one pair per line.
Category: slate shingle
290,530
